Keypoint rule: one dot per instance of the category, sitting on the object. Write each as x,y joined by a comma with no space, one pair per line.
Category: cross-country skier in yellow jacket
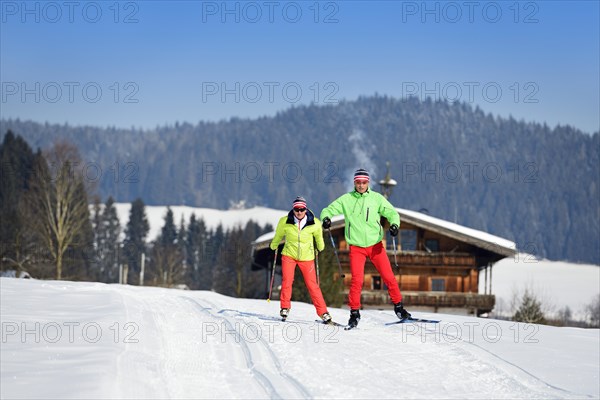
301,230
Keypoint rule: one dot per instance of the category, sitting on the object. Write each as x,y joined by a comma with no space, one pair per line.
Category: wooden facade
439,265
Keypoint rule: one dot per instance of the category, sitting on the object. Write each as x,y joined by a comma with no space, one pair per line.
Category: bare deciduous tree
57,202
593,312
167,266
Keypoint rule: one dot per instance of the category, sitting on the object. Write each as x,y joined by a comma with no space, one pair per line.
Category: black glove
394,230
326,222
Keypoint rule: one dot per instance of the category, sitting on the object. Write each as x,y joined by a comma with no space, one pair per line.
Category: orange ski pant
288,267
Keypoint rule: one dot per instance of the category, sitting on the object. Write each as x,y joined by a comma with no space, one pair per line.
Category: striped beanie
299,202
361,175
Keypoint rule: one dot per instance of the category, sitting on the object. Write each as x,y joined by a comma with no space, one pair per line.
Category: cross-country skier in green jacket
362,209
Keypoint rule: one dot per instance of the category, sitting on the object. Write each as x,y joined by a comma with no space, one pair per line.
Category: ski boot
354,318
401,312
284,313
326,318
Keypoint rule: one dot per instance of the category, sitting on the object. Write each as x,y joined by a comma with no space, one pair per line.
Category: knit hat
299,202
361,175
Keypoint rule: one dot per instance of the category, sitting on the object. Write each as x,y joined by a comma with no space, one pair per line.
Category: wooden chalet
440,264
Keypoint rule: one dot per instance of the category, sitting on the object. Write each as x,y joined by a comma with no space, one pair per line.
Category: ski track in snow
506,379
478,361
184,357
135,364
507,365
260,360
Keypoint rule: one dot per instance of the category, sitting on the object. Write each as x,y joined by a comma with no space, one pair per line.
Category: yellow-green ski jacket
299,243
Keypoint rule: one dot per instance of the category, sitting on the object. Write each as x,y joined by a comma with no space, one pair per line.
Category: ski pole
336,255
317,266
395,259
272,277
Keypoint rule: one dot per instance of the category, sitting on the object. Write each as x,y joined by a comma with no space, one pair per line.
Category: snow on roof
459,232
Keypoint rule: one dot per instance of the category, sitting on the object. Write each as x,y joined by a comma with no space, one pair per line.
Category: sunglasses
299,209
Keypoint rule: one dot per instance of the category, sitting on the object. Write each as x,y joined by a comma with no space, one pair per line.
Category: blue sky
152,63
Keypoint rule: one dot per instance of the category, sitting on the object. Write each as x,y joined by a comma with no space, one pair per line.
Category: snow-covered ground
556,284
92,340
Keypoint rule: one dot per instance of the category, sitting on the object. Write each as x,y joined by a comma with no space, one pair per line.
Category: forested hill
523,181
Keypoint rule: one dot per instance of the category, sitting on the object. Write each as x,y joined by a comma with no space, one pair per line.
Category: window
376,282
432,245
438,285
408,239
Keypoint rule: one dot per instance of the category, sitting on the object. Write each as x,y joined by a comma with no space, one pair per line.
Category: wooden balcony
421,263
421,258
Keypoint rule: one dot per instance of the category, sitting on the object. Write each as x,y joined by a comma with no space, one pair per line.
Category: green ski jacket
362,213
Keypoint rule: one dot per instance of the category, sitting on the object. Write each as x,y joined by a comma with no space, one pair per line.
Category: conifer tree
530,310
16,163
182,248
167,261
135,239
196,242
168,234
224,271
107,230
214,244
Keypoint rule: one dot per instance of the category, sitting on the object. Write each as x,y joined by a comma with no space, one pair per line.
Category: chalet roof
462,233
472,236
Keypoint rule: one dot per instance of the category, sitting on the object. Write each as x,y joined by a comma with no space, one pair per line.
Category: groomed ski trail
474,357
260,360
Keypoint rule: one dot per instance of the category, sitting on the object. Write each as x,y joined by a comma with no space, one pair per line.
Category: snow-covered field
92,340
556,284
228,219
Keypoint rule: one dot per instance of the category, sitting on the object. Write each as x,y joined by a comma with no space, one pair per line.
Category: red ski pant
379,258
288,267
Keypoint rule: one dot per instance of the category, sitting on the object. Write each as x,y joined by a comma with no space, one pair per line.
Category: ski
412,320
295,321
331,322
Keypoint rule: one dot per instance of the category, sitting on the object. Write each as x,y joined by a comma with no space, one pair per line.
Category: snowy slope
212,218
91,340
556,284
